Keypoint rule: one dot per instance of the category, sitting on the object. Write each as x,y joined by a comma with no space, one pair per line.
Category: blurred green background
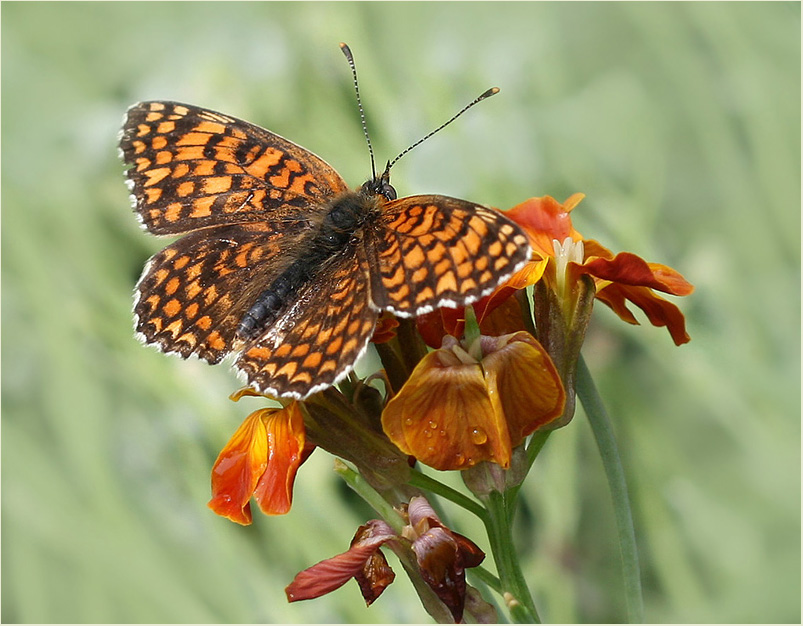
681,123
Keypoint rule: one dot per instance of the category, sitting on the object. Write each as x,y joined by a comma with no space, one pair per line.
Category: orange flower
617,278
462,406
260,460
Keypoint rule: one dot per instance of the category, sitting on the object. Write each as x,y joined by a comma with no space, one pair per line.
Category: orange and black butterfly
280,263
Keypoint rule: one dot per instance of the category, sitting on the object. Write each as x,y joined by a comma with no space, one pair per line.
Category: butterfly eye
388,191
379,187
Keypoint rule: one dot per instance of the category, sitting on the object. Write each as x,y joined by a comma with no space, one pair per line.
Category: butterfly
279,262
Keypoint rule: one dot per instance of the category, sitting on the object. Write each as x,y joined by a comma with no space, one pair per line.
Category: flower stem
500,534
486,577
354,480
606,442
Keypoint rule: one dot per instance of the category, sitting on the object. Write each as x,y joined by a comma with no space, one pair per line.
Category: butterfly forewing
434,251
194,168
317,340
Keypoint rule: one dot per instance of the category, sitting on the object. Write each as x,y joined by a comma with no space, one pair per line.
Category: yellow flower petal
445,416
527,383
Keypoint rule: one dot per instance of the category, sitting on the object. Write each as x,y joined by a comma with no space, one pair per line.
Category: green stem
500,534
534,447
355,480
422,481
606,442
486,577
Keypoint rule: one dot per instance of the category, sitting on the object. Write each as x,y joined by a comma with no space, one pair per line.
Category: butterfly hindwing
193,294
316,341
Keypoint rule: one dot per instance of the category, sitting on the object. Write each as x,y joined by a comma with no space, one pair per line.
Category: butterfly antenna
492,91
350,59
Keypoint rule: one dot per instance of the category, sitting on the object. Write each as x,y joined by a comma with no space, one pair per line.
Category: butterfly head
380,186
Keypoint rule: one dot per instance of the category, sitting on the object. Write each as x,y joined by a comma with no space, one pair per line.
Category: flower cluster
497,372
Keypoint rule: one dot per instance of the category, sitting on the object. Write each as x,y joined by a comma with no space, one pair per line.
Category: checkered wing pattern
436,251
249,204
316,341
193,294
194,168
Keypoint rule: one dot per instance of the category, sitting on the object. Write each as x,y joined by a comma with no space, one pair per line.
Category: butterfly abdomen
339,227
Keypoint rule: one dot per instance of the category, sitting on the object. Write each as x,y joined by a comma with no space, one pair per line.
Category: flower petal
423,517
286,438
526,381
659,311
333,573
444,415
546,219
374,577
385,329
470,553
442,568
629,269
435,325
239,467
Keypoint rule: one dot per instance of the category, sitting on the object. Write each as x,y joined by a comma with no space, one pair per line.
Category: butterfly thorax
339,230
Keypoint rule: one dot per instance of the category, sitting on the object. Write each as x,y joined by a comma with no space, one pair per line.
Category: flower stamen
569,251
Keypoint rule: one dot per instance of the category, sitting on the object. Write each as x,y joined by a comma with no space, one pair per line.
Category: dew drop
427,432
408,421
433,424
478,436
459,459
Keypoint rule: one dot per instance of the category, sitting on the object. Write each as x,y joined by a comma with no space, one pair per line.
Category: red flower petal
423,517
442,568
385,328
659,311
374,577
435,325
629,269
333,573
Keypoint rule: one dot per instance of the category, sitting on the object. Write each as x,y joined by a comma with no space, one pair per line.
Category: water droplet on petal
433,424
478,436
408,421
